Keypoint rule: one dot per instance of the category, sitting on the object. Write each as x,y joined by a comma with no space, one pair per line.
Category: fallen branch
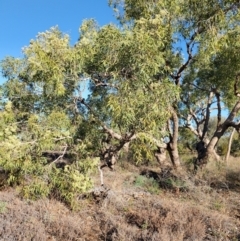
101,175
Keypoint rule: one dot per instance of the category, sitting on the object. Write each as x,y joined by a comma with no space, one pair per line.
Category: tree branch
233,113
197,87
234,6
219,109
193,130
106,84
190,44
207,117
60,157
105,128
98,80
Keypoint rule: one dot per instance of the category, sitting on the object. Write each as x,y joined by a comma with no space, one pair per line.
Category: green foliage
3,207
64,184
187,141
143,148
48,58
175,183
136,76
21,157
36,189
73,180
128,61
148,184
235,150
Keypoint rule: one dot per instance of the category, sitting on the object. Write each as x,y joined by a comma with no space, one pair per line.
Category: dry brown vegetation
147,204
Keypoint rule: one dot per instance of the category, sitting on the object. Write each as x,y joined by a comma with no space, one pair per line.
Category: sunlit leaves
129,73
146,108
48,57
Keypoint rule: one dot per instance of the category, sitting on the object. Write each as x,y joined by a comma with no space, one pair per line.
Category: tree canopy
132,87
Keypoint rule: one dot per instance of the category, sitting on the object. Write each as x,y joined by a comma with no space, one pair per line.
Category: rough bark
173,154
172,146
110,153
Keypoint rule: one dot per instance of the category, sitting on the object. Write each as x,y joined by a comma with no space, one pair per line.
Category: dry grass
187,207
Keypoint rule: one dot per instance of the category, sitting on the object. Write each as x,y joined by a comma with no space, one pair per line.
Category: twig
105,128
106,84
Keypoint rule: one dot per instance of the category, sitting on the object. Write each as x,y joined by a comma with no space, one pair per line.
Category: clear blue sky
21,20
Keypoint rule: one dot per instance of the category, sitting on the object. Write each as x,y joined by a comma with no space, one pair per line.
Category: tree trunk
173,154
160,155
229,145
207,151
172,146
221,129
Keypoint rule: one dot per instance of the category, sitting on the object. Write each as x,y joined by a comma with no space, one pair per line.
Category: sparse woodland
149,108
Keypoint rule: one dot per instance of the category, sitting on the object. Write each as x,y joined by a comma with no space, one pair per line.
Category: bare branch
197,87
106,84
101,174
229,145
105,128
229,122
234,6
184,66
191,42
205,127
99,80
60,157
193,130
50,152
111,132
233,113
192,115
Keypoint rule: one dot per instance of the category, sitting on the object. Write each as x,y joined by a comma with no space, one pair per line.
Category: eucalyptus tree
44,96
218,79
142,77
203,34
39,120
130,98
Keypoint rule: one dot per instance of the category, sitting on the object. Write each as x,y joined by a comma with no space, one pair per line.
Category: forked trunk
229,122
206,151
